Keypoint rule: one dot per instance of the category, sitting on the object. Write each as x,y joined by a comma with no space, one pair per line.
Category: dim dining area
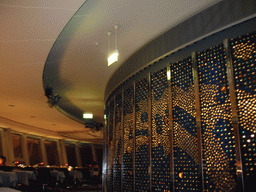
48,178
38,163
10,178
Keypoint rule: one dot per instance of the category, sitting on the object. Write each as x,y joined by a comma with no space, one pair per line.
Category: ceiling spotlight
112,56
52,99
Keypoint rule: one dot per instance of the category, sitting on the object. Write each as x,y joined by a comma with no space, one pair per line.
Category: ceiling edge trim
24,128
200,26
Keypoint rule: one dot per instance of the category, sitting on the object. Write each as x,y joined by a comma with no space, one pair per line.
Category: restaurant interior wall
52,152
32,150
86,149
187,121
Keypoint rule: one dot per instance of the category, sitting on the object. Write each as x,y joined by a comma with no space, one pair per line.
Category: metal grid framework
187,127
128,139
184,119
110,141
160,165
117,141
217,129
244,64
142,136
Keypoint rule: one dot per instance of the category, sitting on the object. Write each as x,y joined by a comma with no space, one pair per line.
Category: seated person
2,161
3,166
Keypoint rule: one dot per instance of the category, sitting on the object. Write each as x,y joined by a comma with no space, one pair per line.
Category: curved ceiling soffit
146,55
53,84
83,31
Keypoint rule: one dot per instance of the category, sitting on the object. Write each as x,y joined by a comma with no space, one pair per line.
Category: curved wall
187,121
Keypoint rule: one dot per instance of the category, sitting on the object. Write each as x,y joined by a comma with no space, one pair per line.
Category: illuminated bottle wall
188,126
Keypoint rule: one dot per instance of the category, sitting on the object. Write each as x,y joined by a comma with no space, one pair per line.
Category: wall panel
185,135
244,64
118,149
218,133
188,128
128,140
160,132
110,147
142,161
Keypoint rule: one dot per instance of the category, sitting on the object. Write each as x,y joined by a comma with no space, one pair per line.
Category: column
59,149
43,151
8,147
24,149
94,154
78,156
2,142
64,153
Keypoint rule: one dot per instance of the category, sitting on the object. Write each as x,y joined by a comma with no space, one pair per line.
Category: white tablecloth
24,176
58,174
76,174
8,179
4,189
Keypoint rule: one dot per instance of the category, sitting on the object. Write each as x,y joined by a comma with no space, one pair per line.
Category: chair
44,180
36,185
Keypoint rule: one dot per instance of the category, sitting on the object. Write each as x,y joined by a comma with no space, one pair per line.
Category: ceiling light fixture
87,115
168,74
52,99
113,56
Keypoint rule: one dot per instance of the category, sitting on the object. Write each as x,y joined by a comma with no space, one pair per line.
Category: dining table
24,176
59,175
12,178
76,174
7,189
8,179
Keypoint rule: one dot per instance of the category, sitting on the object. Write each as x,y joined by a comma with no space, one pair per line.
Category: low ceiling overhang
76,69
